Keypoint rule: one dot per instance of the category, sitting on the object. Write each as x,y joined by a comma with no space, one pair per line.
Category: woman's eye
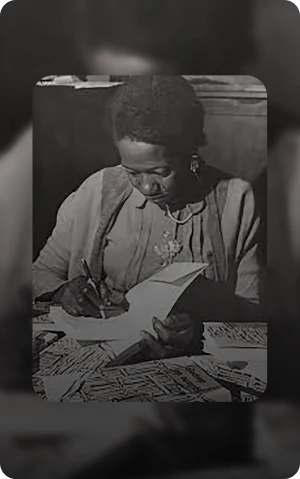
164,173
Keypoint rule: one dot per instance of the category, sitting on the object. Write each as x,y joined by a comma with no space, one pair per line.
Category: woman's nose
148,186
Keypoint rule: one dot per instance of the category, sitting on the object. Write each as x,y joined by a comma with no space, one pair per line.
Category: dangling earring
195,165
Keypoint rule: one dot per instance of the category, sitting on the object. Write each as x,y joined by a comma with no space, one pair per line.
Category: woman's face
152,171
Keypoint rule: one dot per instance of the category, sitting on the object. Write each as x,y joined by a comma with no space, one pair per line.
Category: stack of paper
236,341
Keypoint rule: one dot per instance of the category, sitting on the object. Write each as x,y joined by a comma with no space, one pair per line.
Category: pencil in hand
91,281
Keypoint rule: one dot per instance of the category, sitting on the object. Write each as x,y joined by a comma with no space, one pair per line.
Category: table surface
65,369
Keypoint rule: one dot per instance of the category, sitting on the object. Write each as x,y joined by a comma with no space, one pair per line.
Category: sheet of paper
57,386
154,297
236,341
251,374
237,354
43,322
258,369
236,335
39,327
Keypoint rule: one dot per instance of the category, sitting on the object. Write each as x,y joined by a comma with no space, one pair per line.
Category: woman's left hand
176,336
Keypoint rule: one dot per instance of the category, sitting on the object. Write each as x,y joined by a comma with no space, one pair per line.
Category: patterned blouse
143,228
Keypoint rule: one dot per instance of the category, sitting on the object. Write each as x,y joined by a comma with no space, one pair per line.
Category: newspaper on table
251,376
172,380
235,341
67,357
71,370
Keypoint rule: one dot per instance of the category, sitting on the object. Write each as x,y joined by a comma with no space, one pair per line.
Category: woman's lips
155,197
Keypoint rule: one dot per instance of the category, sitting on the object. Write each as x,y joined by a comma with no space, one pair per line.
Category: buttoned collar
137,199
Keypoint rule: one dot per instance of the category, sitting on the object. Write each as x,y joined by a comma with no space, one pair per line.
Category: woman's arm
238,300
250,282
242,297
50,271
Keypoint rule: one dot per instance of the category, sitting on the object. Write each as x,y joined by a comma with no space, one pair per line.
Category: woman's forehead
138,155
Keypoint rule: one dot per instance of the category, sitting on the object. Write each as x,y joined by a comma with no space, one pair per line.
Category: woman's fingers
90,295
177,321
162,332
156,349
79,306
180,339
104,294
175,336
80,299
81,287
71,308
89,310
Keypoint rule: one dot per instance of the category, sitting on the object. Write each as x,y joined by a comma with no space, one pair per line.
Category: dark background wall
72,137
71,142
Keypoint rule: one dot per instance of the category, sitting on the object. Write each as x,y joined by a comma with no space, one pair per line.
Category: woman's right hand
78,298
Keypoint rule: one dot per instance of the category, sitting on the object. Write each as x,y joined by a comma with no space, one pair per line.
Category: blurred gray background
119,37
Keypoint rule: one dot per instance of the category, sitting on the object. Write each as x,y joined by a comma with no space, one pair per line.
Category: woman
161,205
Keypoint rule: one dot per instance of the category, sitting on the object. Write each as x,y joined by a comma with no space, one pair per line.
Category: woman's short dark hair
159,110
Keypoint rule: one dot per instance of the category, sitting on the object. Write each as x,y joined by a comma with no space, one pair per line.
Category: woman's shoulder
239,194
228,186
96,179
95,183
235,195
233,184
239,187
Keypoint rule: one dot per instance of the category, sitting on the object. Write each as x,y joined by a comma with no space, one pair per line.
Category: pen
92,283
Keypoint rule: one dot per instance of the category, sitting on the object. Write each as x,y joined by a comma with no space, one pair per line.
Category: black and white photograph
149,239
71,112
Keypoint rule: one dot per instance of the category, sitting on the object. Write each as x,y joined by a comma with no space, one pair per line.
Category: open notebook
154,297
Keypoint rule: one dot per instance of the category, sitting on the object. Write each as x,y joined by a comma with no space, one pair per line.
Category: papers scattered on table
44,322
41,340
238,355
75,82
56,387
250,375
154,297
236,341
76,360
171,380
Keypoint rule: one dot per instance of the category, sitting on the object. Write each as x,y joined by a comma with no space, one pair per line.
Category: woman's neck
188,192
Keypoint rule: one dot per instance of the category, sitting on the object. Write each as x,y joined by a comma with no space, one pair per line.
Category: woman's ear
196,157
